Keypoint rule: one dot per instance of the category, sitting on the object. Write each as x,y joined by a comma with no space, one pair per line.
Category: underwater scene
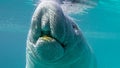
99,21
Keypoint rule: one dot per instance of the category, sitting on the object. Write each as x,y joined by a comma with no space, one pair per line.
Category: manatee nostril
47,33
45,26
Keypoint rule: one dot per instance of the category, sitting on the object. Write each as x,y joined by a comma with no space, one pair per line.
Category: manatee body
55,41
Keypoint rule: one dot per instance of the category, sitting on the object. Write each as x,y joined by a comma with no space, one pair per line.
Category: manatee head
53,38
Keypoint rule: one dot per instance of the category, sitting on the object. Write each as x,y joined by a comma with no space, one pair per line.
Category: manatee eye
75,27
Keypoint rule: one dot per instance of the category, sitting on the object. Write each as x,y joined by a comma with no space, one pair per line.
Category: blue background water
100,26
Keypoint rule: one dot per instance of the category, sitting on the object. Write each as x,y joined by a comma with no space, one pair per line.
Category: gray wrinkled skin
55,41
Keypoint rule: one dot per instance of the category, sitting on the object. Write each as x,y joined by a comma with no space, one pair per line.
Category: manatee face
53,37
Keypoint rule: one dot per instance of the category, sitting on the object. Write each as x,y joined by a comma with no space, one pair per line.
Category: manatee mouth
47,35
48,49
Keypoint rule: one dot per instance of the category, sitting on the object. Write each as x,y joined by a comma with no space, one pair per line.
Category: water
100,26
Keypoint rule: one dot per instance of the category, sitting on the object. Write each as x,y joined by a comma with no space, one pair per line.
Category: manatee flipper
55,41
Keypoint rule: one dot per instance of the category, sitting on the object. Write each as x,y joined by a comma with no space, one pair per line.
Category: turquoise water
100,26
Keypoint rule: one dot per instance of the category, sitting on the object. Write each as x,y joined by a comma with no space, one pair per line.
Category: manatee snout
52,33
48,32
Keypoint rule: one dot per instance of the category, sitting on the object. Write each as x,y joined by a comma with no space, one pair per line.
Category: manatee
55,41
